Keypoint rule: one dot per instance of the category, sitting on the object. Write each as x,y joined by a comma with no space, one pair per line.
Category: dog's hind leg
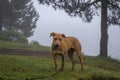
80,56
70,54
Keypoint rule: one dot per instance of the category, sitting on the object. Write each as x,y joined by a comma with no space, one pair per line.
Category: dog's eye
55,38
60,39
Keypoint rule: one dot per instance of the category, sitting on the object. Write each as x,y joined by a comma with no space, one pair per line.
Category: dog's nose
56,45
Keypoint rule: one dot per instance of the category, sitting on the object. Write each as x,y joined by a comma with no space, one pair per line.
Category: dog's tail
83,57
83,60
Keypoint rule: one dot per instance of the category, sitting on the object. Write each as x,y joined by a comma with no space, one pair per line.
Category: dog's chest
57,52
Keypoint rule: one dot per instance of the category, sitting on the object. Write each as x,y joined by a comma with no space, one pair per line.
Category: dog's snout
56,45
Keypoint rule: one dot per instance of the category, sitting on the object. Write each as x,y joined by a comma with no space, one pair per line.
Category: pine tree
5,11
21,17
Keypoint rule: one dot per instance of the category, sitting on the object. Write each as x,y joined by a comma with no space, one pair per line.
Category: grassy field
14,67
14,45
37,67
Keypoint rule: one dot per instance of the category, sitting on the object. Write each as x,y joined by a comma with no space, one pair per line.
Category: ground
28,62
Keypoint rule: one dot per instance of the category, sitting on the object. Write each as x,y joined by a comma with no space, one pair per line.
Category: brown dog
62,45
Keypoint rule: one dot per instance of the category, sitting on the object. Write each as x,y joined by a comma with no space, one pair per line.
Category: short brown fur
62,45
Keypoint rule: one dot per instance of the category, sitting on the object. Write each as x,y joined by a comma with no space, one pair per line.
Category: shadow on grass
104,78
1,78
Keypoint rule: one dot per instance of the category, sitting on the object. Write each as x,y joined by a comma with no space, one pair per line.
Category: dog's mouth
56,48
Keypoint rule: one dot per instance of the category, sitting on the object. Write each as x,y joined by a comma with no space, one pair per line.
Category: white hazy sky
88,33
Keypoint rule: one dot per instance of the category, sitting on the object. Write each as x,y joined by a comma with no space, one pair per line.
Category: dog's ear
52,34
63,36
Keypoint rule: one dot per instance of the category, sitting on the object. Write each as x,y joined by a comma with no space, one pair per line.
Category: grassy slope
13,45
16,67
13,67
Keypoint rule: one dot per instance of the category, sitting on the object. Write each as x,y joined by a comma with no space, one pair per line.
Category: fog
88,33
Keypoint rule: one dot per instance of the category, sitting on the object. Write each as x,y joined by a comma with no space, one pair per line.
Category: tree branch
84,8
113,5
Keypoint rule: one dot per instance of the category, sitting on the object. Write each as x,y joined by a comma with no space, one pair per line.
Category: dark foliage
13,36
18,15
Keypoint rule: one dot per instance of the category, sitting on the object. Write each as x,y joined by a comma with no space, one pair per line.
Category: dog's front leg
63,58
55,61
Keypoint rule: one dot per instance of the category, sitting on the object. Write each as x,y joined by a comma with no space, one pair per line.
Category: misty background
51,20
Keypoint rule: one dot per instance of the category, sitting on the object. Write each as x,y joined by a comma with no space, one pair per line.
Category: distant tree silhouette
5,11
18,15
86,9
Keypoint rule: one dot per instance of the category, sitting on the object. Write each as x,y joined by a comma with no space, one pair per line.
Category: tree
21,17
86,9
5,11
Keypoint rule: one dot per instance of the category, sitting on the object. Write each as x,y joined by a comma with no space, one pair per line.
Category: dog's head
57,39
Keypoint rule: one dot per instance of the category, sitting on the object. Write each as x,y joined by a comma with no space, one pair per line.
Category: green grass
16,67
14,45
19,67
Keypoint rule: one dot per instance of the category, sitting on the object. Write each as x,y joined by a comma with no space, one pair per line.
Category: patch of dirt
25,52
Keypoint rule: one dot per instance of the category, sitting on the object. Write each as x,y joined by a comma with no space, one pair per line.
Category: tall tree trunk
104,27
0,23
0,26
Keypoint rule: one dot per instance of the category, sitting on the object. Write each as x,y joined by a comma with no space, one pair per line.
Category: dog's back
73,42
